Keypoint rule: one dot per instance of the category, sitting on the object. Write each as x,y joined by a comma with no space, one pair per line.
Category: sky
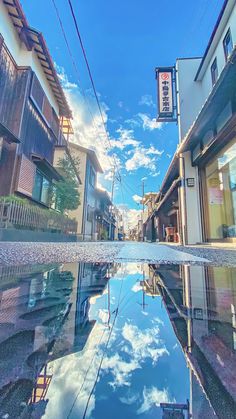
124,42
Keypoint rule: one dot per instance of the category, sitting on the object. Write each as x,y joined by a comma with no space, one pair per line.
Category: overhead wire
90,75
78,74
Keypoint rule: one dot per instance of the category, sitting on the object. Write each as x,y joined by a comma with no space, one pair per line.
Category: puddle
104,340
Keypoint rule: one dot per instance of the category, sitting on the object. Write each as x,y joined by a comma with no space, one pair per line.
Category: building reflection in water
201,304
44,315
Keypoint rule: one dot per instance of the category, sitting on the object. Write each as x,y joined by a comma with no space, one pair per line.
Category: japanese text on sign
165,93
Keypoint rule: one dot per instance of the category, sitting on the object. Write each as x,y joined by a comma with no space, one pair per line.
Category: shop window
228,45
214,71
221,191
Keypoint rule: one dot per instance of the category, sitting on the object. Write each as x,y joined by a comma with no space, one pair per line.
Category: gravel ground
20,253
216,255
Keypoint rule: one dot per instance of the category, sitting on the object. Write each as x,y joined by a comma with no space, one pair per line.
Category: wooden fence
17,215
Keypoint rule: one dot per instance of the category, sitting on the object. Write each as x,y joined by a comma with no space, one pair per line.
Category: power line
77,72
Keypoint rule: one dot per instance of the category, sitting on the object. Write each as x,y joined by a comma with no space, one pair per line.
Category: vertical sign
166,105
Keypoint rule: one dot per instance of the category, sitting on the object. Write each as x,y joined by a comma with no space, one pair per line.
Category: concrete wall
21,55
15,235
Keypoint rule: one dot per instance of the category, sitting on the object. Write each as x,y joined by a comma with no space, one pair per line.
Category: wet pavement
26,253
110,340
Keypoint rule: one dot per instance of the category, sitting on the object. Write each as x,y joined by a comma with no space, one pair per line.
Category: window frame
42,177
214,72
228,33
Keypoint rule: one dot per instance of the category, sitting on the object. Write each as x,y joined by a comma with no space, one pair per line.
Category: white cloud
144,344
153,397
130,216
147,100
137,198
143,157
149,123
136,287
125,139
87,123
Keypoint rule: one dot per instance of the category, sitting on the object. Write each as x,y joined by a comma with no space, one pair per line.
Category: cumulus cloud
153,397
144,344
143,157
147,100
125,139
137,198
148,123
87,123
130,216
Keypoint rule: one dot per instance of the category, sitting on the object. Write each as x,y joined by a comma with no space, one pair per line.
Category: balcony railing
22,216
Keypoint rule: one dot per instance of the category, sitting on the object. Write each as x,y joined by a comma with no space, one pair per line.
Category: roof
226,8
46,167
34,39
171,174
91,153
103,193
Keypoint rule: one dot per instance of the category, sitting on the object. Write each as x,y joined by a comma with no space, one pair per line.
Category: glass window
228,44
37,186
214,72
221,191
92,177
41,188
45,191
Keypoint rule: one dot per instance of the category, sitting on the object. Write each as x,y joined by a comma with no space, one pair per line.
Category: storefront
220,192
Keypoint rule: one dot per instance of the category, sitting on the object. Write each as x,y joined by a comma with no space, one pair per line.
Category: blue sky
124,42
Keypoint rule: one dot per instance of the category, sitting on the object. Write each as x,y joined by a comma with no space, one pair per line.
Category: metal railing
17,215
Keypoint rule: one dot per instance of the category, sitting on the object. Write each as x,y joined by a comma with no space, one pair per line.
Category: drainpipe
183,201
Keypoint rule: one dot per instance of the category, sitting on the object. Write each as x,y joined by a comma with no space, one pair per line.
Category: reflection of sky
142,366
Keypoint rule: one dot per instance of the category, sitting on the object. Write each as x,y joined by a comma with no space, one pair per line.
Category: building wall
193,94
21,55
190,94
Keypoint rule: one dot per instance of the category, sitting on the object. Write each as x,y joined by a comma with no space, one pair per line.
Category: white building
206,99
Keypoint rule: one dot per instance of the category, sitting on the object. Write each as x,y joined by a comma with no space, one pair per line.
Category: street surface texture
21,253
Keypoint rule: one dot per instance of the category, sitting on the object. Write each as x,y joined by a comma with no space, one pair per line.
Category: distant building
33,109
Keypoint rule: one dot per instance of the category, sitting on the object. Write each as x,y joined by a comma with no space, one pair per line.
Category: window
228,45
214,71
92,177
41,188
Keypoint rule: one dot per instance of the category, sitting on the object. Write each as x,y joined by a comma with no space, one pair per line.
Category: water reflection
201,304
101,340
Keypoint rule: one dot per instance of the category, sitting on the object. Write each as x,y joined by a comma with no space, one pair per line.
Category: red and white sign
165,93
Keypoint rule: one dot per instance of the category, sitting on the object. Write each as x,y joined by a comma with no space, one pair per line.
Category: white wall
193,94
21,55
190,94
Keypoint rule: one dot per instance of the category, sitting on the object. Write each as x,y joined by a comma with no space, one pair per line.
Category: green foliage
15,198
104,234
67,194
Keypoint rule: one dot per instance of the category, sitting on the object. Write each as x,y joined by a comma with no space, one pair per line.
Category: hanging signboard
166,97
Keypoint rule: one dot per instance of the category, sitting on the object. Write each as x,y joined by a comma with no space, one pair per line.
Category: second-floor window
214,72
228,44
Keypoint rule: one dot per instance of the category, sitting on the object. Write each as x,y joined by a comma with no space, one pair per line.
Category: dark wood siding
13,83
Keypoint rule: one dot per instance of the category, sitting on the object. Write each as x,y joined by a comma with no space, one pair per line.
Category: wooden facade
26,112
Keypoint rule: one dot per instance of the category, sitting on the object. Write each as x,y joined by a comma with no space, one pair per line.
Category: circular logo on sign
165,76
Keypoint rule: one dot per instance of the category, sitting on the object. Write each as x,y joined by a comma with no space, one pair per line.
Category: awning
7,134
46,167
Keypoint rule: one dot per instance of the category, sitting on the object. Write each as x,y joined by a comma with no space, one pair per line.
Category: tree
67,196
